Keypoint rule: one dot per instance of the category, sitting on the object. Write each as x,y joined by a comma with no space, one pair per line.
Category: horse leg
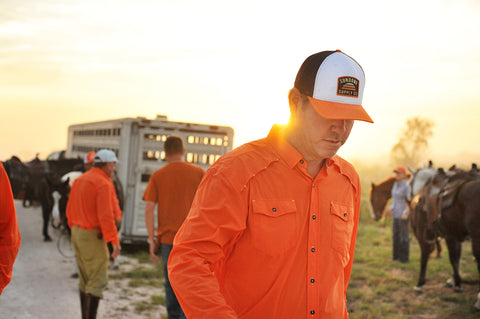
28,197
46,219
454,254
438,245
425,254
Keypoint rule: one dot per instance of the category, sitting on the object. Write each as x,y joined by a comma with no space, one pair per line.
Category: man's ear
294,100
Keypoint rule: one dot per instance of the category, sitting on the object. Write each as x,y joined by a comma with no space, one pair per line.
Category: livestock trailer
138,144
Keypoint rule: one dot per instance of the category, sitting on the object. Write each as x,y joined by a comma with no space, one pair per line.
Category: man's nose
339,126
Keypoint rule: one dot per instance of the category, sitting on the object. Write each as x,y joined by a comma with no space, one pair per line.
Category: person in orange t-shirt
172,188
272,230
90,215
9,232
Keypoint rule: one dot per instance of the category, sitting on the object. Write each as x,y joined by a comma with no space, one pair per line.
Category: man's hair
174,145
100,165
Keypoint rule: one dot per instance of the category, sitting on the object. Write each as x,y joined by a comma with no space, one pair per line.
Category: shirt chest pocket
342,227
273,225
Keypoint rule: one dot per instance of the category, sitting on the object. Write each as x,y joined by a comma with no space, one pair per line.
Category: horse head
420,178
379,196
58,192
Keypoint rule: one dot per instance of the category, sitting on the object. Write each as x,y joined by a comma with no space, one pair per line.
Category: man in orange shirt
9,232
171,187
90,214
271,232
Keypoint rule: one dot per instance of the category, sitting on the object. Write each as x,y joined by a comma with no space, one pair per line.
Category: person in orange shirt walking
272,230
90,214
9,233
172,188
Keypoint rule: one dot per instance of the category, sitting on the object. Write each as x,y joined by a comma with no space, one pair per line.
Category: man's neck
313,165
175,158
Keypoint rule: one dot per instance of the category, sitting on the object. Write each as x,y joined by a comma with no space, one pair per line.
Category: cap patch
347,86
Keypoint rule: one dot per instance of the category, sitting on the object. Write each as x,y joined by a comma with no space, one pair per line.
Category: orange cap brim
340,111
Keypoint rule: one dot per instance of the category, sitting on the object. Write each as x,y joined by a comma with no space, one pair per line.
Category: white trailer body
138,144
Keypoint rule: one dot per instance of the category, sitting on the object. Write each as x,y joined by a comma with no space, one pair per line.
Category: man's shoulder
245,161
250,154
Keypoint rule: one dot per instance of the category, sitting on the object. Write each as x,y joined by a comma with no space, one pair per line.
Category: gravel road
41,286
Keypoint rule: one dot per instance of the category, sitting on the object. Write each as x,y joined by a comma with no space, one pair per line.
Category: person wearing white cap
272,229
90,214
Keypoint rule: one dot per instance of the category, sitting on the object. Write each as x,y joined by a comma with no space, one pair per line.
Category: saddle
448,194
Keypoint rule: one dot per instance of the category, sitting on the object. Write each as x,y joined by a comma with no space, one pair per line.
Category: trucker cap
89,158
333,83
105,156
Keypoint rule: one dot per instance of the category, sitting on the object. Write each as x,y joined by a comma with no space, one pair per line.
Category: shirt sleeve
9,231
151,191
117,212
215,222
105,212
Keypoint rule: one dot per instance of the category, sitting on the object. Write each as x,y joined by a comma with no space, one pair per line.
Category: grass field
382,288
379,287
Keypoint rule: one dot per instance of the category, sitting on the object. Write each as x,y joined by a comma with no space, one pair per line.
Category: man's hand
153,249
116,250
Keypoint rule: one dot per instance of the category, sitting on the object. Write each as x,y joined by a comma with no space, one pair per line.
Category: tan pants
92,259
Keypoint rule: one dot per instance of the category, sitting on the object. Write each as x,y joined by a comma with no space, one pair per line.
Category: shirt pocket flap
273,207
342,211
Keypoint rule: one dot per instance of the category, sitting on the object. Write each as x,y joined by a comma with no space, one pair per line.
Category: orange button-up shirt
264,239
90,204
9,232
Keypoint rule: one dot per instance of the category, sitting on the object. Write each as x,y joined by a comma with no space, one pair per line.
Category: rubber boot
91,306
83,302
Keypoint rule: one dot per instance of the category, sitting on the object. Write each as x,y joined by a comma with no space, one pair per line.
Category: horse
379,196
36,172
35,181
18,176
54,190
427,239
452,203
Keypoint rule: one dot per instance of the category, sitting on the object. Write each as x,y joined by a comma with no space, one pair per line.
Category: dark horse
35,181
17,173
452,205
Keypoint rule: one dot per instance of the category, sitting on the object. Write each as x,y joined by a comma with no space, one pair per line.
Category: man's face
321,137
110,168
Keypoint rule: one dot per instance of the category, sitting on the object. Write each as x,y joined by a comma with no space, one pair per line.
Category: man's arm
215,221
150,224
9,231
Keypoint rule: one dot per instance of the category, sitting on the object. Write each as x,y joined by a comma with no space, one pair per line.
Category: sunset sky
232,63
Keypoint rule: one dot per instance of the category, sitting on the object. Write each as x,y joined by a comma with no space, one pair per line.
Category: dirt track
41,286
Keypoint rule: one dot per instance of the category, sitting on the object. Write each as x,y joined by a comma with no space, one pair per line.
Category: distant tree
413,142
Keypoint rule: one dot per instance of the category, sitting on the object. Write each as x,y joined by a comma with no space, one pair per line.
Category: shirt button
312,280
313,249
274,209
313,185
302,161
344,214
314,217
312,312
